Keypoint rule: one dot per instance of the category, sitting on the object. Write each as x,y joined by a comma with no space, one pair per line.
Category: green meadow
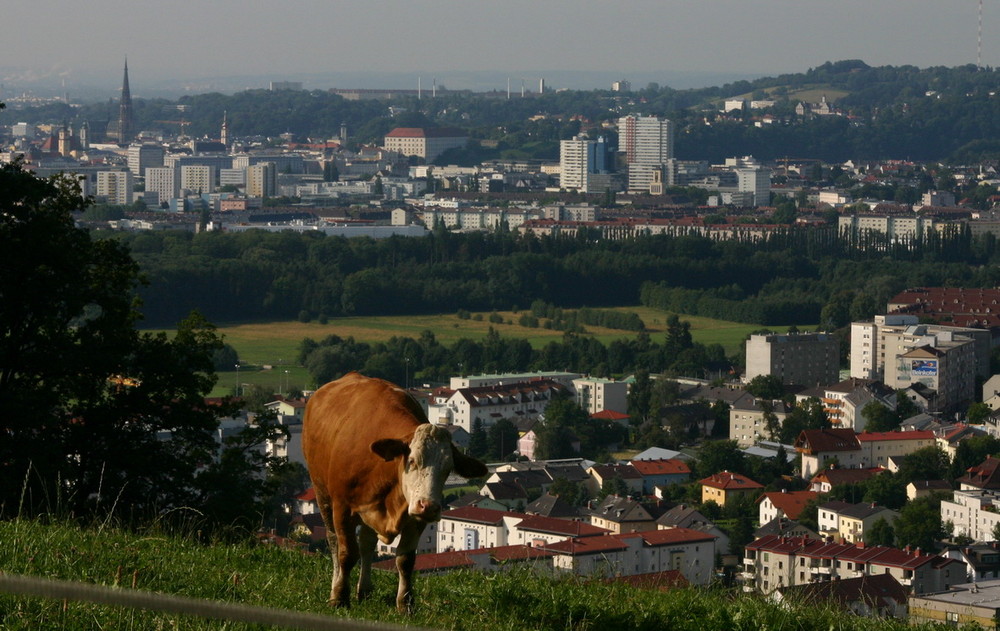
276,344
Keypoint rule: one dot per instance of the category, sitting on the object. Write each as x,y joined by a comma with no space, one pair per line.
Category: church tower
125,112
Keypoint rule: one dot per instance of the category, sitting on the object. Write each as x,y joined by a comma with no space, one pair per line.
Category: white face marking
425,470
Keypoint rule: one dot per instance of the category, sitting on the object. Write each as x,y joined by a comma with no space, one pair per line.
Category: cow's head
426,461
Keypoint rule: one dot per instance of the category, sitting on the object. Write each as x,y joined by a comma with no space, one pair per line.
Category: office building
141,157
804,359
197,178
165,181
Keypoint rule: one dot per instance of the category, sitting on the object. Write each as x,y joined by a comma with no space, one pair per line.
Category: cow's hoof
339,603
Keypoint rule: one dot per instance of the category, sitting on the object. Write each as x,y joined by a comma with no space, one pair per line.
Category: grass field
276,344
257,575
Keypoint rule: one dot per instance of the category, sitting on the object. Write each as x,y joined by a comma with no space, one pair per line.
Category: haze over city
228,45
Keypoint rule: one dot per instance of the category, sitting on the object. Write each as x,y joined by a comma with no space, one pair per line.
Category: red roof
479,515
812,441
610,415
985,475
791,503
729,481
556,526
672,466
309,495
868,437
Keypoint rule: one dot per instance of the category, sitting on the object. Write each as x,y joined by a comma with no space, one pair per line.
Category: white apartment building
596,395
974,513
467,407
115,187
757,182
198,178
881,341
582,165
648,142
164,181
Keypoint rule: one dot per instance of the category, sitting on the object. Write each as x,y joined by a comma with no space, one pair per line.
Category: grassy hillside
270,577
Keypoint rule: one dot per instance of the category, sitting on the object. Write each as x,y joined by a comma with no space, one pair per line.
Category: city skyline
475,45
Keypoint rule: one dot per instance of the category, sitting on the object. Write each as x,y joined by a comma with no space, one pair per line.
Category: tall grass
272,577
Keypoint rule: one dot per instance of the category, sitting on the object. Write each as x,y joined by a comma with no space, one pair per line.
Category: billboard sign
924,367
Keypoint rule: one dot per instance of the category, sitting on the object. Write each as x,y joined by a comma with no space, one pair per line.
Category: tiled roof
877,590
729,481
845,476
478,515
791,503
812,441
426,132
660,467
985,475
623,471
868,437
552,525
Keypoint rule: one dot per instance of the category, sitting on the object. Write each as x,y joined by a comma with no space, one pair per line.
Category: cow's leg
326,512
406,556
347,556
366,544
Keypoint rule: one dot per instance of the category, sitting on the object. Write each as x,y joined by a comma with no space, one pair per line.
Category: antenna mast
979,39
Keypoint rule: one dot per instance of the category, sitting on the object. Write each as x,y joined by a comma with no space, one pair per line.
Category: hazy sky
185,39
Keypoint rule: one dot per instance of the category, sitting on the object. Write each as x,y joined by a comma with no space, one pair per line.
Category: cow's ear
466,466
390,448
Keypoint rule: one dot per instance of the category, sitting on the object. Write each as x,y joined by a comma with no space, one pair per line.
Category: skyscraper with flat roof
648,142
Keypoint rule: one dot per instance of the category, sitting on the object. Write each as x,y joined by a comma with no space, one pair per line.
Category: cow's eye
411,462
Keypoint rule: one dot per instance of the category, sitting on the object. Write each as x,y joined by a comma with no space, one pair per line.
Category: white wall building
115,186
198,178
648,142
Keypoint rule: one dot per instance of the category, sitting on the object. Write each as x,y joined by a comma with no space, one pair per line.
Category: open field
276,344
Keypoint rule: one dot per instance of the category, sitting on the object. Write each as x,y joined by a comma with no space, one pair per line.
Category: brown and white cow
378,467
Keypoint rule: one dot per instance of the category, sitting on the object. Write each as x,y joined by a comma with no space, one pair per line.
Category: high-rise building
165,181
141,157
757,181
804,359
115,187
125,111
262,180
198,178
580,160
648,142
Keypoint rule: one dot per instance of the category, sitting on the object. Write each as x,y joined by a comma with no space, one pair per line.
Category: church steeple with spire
125,111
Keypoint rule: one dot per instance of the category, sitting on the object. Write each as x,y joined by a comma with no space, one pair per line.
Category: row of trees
792,277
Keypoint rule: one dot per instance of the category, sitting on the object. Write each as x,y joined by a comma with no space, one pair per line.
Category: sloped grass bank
272,577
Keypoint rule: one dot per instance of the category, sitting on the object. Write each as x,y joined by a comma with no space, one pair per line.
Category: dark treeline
796,276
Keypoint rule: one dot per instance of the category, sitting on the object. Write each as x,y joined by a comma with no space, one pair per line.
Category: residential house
549,505
783,504
874,596
974,513
482,406
850,522
773,562
983,477
925,488
726,487
621,515
820,447
470,528
539,531
825,480
690,552
949,436
878,447
784,527
600,474
975,605
684,516
659,473
982,560
843,402
748,419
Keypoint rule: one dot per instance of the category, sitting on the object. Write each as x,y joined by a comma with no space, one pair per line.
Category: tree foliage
97,416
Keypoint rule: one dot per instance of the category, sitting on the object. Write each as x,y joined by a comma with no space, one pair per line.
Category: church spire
125,111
